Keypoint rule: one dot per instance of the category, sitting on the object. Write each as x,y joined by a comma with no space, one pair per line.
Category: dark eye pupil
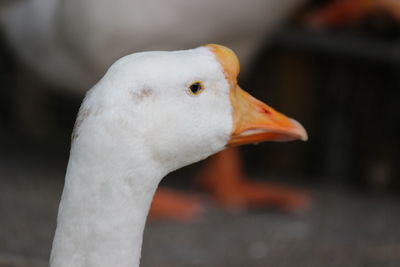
196,87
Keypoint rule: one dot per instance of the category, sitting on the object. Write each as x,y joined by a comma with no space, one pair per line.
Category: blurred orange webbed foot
339,13
169,204
225,180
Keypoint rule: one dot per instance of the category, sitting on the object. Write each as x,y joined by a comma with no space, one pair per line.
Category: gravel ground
341,229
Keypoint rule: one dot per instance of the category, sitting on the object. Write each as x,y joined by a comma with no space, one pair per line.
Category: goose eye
196,88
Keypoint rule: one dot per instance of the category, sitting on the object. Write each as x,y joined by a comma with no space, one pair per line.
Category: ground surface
341,229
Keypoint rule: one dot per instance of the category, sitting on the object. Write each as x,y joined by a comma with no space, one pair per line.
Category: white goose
151,113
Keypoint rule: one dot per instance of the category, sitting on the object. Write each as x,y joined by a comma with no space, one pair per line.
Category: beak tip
302,133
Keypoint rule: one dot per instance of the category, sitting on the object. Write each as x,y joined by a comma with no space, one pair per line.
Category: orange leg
224,178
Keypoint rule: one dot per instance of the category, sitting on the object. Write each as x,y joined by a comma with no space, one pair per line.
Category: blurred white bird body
71,43
142,120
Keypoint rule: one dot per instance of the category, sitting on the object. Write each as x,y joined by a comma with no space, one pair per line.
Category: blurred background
334,65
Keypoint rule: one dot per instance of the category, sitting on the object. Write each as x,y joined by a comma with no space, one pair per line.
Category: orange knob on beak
253,120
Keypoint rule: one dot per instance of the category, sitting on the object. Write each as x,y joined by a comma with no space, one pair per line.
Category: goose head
181,106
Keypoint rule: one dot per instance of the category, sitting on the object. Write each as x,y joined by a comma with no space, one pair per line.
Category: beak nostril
266,111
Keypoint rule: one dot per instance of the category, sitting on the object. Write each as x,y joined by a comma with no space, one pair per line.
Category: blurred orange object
338,13
225,181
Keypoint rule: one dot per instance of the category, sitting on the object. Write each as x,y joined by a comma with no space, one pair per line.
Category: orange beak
253,120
